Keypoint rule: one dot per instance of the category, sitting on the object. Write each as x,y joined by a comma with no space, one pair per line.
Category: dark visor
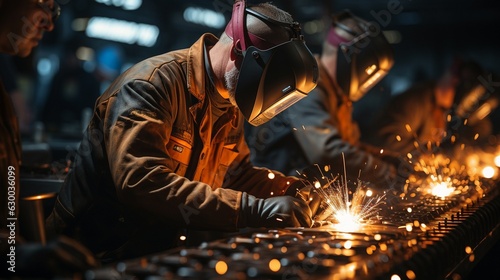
272,80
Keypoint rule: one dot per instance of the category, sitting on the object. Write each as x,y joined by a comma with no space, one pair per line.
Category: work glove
307,192
279,211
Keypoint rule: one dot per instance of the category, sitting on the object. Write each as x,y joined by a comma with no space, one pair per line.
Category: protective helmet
272,77
363,61
474,98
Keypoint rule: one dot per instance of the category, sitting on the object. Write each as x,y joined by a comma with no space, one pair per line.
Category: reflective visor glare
471,100
283,104
357,93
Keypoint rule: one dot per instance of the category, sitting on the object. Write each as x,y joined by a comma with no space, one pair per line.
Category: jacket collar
196,79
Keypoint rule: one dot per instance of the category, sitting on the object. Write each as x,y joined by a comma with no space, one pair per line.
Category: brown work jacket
151,162
10,161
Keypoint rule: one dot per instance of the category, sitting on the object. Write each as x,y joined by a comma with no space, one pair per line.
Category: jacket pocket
228,155
180,152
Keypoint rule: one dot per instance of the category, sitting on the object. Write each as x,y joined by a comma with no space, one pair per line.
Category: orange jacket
151,162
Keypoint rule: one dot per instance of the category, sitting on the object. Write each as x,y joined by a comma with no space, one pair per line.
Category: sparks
441,189
344,210
445,177
440,171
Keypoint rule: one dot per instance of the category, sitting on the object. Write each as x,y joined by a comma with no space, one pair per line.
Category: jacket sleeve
137,128
258,181
316,129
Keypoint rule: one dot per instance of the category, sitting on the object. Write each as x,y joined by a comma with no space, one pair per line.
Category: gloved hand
307,192
279,211
61,257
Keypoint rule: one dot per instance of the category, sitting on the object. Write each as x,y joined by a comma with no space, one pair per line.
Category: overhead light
204,17
122,31
128,5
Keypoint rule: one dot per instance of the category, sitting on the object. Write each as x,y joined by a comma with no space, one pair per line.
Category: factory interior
409,234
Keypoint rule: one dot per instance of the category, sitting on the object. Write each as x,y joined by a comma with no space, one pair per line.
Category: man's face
22,24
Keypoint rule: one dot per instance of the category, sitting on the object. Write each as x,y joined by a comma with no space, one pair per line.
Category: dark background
426,35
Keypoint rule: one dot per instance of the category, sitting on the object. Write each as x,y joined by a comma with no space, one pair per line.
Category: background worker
22,25
434,110
320,129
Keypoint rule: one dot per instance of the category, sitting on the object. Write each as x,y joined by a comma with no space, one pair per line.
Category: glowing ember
488,172
497,161
221,267
409,227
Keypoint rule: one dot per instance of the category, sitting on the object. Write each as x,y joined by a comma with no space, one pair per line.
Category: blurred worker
433,111
8,73
319,129
22,25
165,150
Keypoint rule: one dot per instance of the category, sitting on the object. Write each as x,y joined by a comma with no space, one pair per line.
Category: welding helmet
272,77
473,99
363,61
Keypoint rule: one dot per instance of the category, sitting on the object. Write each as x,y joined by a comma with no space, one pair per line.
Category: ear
237,48
236,53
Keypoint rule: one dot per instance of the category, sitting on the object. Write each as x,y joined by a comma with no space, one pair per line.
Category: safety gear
272,77
311,196
306,191
278,211
473,100
363,61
